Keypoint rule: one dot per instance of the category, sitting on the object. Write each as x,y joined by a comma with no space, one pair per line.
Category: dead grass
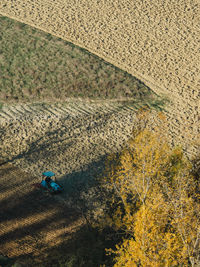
36,66
158,42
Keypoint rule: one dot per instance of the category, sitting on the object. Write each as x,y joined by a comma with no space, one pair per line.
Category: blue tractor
49,183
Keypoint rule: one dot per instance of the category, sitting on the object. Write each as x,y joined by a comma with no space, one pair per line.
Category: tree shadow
86,248
84,179
57,137
24,223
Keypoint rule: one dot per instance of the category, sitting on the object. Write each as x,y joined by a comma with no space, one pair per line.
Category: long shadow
55,137
86,248
84,179
36,202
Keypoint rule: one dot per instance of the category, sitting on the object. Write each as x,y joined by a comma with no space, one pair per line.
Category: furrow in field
7,114
74,109
59,112
26,109
16,111
156,42
80,110
68,110
4,116
37,141
88,109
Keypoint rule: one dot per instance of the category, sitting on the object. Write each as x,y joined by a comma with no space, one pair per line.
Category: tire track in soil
71,141
30,129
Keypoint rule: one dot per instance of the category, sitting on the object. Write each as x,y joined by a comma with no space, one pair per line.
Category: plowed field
72,140
32,223
156,41
64,137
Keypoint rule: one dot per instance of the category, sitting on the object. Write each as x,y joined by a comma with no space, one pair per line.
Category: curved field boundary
158,42
36,66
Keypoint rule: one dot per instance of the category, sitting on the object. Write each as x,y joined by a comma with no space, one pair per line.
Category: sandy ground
72,140
158,42
64,139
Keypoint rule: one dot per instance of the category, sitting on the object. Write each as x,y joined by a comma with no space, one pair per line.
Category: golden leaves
157,203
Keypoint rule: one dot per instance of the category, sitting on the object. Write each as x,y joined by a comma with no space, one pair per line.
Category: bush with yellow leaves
154,199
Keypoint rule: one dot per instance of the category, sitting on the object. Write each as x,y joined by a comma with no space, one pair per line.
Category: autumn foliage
154,201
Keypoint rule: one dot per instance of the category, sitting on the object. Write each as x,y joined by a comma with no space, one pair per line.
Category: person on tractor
48,181
49,184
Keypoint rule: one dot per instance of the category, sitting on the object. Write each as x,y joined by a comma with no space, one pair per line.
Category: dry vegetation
72,140
158,42
37,66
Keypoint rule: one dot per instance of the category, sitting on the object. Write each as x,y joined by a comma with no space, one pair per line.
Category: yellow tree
155,242
156,204
166,228
139,167
184,201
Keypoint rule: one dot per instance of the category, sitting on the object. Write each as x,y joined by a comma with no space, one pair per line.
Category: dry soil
71,139
156,41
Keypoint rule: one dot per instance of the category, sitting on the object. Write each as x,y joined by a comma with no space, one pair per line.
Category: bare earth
158,42
63,138
32,223
72,140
